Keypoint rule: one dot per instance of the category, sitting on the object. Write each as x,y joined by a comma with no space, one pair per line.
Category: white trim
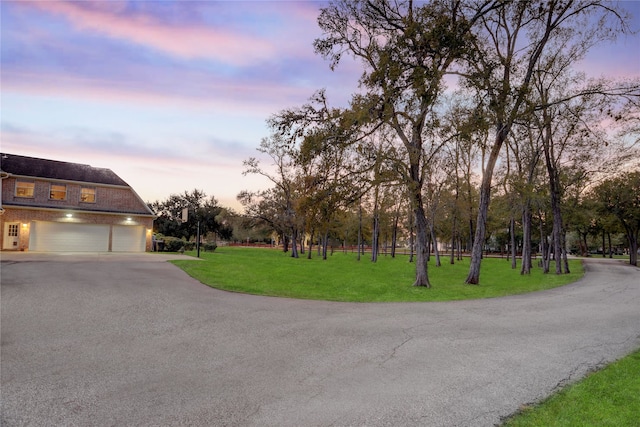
74,210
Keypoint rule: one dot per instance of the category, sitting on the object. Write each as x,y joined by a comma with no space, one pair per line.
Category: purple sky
173,95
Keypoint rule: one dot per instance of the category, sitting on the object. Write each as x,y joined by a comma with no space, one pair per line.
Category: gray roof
53,169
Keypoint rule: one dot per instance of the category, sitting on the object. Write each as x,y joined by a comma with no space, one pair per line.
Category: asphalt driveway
132,340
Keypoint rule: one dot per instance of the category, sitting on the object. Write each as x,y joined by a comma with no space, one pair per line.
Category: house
56,206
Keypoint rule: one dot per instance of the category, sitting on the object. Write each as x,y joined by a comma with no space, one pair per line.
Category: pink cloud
247,98
184,41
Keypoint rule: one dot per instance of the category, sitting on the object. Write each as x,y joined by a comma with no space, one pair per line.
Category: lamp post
198,240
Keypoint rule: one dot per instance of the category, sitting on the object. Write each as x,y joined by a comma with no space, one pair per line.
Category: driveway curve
132,340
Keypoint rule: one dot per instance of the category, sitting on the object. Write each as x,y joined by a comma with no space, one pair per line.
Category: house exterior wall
108,198
113,205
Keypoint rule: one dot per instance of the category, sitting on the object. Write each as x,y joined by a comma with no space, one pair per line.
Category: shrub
174,244
209,246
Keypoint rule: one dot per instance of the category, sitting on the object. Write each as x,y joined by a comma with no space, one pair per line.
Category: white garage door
128,239
62,237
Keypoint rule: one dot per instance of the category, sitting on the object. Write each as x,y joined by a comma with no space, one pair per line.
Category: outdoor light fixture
69,215
129,219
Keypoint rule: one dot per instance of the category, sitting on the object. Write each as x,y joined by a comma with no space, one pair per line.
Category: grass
610,397
343,278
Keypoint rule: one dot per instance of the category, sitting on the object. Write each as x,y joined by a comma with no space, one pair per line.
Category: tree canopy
521,125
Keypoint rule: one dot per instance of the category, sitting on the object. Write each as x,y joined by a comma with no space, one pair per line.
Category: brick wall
115,199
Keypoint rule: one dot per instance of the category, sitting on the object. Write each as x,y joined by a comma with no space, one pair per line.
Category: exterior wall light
69,215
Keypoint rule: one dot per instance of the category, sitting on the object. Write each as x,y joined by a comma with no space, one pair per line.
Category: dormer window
58,192
25,188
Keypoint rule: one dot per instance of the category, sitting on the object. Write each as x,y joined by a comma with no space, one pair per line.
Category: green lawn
343,278
610,397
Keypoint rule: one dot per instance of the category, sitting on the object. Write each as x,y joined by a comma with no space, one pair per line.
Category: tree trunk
411,238
422,279
557,231
633,256
544,253
325,244
512,232
473,277
554,189
294,244
302,243
310,250
584,244
565,259
375,233
526,239
610,250
550,249
359,229
375,237
394,234
436,251
632,237
453,242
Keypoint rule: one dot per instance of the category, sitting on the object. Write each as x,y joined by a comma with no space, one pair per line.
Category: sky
173,95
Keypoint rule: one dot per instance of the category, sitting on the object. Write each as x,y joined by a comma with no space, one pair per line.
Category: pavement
105,339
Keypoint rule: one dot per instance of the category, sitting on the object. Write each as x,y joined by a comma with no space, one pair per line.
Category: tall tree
276,206
405,48
512,43
333,156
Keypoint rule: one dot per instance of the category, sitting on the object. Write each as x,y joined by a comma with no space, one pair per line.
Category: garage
66,237
128,238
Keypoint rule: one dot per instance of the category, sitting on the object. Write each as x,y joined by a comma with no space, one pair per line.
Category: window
13,230
58,192
24,188
88,195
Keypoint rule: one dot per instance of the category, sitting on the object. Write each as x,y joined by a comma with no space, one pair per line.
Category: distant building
55,206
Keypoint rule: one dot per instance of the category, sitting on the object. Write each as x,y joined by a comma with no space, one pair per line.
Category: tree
513,44
621,197
333,159
405,49
200,208
277,205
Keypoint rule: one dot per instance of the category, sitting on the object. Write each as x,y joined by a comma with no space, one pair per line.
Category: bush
209,246
174,244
